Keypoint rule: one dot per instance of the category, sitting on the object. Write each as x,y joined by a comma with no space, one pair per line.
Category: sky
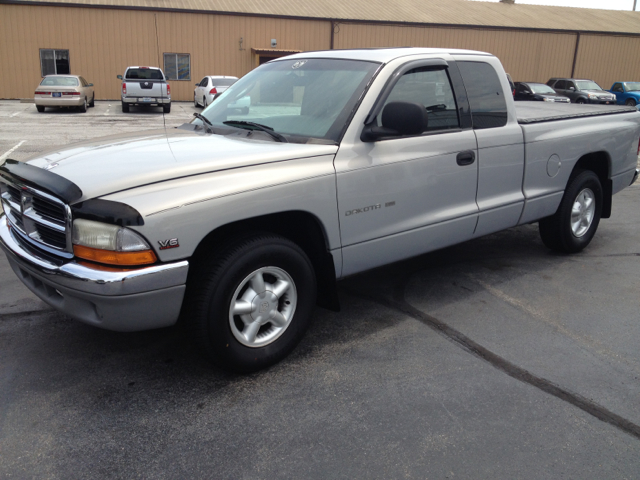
603,4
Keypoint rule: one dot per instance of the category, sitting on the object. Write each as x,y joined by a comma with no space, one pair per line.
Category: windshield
301,99
587,85
144,73
60,81
632,86
540,88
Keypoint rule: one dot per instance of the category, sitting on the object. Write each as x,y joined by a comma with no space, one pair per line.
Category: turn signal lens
213,91
124,88
168,89
145,257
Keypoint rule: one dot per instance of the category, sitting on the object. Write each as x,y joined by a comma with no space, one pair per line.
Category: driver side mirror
89,84
572,89
398,119
119,77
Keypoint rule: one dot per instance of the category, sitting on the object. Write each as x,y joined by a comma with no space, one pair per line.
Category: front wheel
631,102
575,223
581,100
251,304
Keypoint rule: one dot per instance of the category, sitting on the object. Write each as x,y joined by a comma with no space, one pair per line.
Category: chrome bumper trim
86,279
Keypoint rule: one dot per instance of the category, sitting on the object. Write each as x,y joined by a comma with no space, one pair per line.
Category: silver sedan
64,91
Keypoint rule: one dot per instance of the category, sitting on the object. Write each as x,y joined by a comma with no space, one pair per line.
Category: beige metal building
189,39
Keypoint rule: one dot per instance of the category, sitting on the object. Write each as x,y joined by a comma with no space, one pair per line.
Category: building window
177,66
54,62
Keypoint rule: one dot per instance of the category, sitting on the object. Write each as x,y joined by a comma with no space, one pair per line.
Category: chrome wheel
582,212
262,307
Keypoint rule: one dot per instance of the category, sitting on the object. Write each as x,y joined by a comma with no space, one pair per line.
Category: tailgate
146,88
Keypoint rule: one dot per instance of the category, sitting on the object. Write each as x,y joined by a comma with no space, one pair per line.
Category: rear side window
486,97
561,85
223,82
144,74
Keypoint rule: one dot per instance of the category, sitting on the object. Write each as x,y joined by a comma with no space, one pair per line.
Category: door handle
466,158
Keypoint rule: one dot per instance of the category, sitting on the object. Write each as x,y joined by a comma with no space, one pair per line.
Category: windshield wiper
256,126
206,122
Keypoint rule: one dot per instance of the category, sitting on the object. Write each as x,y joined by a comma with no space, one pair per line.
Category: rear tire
83,107
575,223
40,108
251,303
166,108
125,108
631,102
204,102
93,101
195,101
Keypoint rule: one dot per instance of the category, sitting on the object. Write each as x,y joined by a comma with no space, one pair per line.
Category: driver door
402,196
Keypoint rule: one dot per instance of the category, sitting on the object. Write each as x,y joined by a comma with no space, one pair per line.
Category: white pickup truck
145,86
241,221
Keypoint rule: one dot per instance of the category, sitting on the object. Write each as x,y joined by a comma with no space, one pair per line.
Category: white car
209,87
64,91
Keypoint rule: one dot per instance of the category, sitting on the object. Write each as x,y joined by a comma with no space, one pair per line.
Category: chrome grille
38,218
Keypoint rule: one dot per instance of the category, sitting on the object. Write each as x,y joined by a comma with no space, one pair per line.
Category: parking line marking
9,152
107,112
17,113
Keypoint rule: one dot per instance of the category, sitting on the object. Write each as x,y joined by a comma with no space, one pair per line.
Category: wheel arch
600,164
302,228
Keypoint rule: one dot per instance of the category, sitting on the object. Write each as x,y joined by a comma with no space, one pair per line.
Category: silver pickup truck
145,86
241,221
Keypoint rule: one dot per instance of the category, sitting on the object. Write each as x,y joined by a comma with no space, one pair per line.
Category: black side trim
106,211
460,92
20,172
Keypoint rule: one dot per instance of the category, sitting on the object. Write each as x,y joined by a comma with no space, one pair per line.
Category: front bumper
114,299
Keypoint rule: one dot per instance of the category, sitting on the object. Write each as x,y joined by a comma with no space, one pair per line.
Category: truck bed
538,112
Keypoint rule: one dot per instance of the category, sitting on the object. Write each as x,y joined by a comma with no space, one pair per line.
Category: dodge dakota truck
238,223
145,86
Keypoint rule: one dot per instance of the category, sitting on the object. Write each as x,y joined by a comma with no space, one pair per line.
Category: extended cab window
486,96
432,89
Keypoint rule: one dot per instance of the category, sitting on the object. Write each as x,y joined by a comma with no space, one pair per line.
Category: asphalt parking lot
493,359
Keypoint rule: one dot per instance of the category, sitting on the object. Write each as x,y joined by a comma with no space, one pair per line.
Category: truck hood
111,164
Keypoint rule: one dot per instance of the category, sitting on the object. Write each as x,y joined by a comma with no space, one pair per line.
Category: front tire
631,102
581,100
575,223
252,303
40,108
93,101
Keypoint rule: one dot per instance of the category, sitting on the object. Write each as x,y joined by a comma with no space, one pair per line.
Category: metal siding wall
103,42
527,56
608,59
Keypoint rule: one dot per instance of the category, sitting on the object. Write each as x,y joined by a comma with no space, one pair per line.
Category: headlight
593,97
546,99
110,244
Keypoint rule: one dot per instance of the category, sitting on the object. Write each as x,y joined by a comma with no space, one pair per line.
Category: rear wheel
93,101
40,108
125,108
166,108
575,223
83,107
204,102
631,102
195,101
251,303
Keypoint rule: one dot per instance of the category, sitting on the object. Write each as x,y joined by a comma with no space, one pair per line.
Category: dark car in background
582,90
538,92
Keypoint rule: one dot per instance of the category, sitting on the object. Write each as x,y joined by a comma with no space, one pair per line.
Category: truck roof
382,55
